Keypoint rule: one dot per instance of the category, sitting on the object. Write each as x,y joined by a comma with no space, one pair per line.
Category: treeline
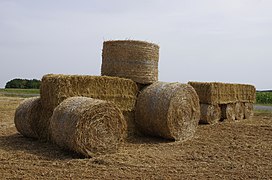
23,84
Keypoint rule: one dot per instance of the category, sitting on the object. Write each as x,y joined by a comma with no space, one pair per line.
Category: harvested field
238,150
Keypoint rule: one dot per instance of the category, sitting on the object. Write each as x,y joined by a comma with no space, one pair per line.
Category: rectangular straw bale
56,87
223,93
246,93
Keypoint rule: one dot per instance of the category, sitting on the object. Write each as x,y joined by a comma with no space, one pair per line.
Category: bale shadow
142,139
44,150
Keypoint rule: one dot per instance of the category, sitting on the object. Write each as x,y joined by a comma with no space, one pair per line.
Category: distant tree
23,83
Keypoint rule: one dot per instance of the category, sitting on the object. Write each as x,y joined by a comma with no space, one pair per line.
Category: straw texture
168,110
210,114
224,93
26,116
248,109
228,112
239,111
88,126
136,60
56,87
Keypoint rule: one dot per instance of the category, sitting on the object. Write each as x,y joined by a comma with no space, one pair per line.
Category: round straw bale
248,109
42,124
88,126
136,60
26,115
168,110
239,111
210,114
228,112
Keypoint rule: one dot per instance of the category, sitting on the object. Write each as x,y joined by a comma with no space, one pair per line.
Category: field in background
239,150
264,98
19,92
261,97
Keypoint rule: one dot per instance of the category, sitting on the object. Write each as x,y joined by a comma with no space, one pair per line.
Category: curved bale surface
88,126
228,112
55,88
136,60
168,110
239,111
248,109
26,115
210,114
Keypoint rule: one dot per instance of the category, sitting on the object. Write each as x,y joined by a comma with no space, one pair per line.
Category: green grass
264,98
20,92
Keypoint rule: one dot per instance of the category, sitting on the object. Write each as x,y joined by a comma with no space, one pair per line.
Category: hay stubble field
239,150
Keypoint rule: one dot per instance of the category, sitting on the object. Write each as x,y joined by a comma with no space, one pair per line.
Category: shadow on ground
45,150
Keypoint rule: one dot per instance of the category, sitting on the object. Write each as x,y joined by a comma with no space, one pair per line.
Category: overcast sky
200,40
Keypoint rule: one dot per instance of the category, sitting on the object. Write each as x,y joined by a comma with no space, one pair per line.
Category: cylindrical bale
88,126
228,112
26,115
168,110
210,114
248,110
239,111
136,60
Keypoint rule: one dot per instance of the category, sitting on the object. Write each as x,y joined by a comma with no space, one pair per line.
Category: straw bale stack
246,93
56,87
224,93
27,115
136,60
239,111
228,112
123,92
168,110
248,109
210,114
88,126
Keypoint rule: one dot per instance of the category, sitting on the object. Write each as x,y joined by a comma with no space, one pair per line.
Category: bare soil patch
238,150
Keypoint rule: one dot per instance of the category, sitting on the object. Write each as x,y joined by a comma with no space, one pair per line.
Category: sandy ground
238,150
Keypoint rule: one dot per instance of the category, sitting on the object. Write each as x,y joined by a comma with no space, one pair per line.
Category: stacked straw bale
239,111
228,112
210,114
224,93
27,116
168,110
136,60
123,92
248,109
231,97
245,93
88,126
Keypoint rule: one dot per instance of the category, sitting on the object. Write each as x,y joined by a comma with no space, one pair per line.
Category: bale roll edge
136,60
168,110
88,126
